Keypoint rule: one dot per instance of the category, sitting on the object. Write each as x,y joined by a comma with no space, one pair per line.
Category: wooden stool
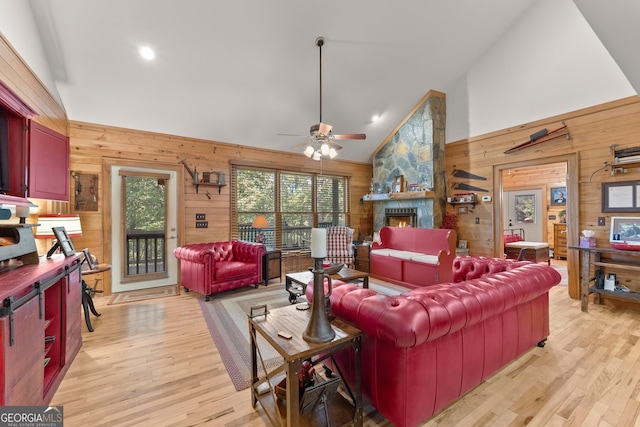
528,251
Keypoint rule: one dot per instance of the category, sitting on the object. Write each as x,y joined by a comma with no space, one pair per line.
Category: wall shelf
198,184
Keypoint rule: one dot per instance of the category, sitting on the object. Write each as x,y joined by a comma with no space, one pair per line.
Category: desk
88,293
294,351
591,257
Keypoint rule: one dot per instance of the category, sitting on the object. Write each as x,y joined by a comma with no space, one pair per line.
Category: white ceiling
245,71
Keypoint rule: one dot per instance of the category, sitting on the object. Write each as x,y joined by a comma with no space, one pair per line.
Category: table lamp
260,222
46,223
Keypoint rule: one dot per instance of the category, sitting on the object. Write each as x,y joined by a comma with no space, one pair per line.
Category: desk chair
90,266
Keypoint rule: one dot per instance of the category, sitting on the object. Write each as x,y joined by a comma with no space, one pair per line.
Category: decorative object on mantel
85,191
399,184
541,136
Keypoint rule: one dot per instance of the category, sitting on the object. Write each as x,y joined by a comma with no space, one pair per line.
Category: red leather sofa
413,257
425,348
210,268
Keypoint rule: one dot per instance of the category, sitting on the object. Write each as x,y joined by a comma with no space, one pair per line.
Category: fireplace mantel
399,196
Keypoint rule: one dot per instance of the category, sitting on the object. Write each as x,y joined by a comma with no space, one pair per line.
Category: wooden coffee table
296,283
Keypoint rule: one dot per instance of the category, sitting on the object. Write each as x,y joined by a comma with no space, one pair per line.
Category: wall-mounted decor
541,136
621,196
558,196
464,186
464,174
85,190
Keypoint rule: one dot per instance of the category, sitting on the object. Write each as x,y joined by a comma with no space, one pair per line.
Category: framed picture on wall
558,196
621,196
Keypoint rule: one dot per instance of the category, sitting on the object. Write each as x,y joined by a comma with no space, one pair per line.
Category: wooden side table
271,265
362,257
290,320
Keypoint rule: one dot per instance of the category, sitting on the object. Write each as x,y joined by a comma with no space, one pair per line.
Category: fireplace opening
401,217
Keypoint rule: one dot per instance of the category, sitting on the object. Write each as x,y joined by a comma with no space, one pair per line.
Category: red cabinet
40,331
48,164
34,160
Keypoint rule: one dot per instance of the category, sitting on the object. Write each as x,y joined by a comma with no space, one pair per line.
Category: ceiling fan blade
300,145
350,136
292,134
334,145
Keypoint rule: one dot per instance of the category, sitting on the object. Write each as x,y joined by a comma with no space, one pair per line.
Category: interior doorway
504,181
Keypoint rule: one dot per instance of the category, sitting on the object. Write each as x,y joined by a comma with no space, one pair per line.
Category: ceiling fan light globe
317,156
309,151
333,153
324,149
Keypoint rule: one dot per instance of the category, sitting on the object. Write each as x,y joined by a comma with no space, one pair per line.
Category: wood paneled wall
93,145
592,132
18,77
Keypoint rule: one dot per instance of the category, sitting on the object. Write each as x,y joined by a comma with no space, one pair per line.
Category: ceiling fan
321,137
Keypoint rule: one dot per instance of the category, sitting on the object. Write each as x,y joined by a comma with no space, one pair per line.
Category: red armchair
210,268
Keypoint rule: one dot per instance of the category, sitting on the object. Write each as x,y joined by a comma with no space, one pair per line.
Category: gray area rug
227,320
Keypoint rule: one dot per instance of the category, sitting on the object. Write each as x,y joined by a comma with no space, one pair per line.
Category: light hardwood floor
154,363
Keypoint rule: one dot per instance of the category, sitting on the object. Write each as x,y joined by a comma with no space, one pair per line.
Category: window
292,202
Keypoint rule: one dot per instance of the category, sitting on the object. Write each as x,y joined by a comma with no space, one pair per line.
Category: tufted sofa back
472,267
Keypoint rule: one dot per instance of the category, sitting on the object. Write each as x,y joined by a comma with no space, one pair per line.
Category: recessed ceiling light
375,118
147,53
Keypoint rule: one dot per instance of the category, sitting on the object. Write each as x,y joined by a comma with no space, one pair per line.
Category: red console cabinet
40,331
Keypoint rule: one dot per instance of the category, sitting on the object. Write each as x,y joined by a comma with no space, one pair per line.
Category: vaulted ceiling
245,72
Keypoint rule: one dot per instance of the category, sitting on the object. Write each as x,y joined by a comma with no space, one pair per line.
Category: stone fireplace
414,151
401,217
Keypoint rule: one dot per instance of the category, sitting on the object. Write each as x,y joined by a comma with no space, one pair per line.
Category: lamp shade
70,222
260,222
16,201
